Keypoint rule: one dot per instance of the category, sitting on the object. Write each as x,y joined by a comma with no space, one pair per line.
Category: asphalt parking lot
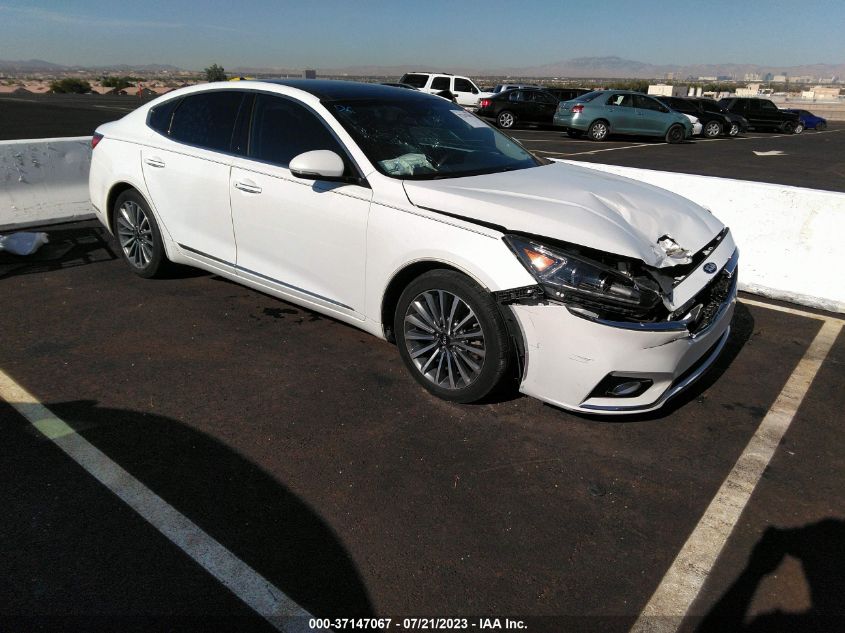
811,159
303,447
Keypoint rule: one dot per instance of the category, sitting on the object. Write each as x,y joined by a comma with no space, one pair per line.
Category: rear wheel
138,235
799,127
598,130
734,129
788,127
506,119
675,134
821,126
451,336
712,129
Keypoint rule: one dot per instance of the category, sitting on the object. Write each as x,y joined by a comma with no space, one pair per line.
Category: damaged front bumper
573,361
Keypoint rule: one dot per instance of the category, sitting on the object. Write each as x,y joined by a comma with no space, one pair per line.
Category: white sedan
404,215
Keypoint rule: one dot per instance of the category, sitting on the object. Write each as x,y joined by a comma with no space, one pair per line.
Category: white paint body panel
336,247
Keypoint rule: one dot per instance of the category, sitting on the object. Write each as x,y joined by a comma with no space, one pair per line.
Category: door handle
154,162
248,186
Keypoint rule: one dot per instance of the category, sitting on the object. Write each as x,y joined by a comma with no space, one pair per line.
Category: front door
304,239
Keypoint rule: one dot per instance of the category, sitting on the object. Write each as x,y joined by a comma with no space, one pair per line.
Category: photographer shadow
820,548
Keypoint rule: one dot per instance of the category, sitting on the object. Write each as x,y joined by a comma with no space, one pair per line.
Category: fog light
621,387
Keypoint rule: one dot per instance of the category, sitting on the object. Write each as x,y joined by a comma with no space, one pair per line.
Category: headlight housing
573,278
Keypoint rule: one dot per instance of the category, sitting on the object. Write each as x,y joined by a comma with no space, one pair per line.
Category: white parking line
682,583
256,591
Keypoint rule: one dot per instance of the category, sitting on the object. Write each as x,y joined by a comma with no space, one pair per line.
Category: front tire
451,336
734,129
712,129
598,130
788,127
799,127
675,134
506,119
138,235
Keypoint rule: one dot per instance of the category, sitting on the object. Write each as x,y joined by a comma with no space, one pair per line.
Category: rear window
417,81
207,119
160,116
589,96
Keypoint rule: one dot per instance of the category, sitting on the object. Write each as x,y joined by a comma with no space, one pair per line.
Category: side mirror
320,164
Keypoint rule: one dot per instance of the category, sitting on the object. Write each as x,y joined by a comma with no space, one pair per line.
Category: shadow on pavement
820,548
69,246
252,514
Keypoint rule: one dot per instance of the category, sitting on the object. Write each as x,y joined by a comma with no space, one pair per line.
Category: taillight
485,103
577,108
96,139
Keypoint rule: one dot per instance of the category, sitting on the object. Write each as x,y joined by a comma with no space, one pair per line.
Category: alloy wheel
712,129
444,339
506,120
135,234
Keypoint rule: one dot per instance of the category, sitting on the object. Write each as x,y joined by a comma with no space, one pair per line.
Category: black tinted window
440,83
417,81
515,95
207,119
282,129
160,115
768,106
462,85
647,103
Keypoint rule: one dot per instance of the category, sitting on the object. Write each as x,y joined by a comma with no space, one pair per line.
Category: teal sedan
603,112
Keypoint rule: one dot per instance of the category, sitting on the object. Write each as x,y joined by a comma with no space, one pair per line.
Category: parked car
512,107
603,112
462,90
505,87
397,84
713,124
809,120
566,94
405,216
762,114
739,123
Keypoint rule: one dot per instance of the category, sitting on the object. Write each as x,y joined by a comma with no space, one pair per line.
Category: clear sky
489,34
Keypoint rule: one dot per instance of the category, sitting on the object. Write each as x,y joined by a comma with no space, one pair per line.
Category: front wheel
675,134
138,235
505,120
789,127
451,336
712,129
799,127
734,129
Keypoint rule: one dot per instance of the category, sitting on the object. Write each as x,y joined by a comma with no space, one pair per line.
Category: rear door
621,113
465,92
187,174
544,107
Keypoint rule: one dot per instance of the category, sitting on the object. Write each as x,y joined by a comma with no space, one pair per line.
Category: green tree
70,85
119,82
215,73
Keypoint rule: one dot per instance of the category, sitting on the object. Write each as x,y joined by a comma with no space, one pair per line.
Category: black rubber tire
675,134
799,127
158,264
505,119
574,133
599,130
820,127
497,342
712,129
788,127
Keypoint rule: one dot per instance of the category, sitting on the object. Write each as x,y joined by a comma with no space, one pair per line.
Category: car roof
336,90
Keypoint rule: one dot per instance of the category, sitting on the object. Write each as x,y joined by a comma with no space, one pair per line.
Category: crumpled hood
577,205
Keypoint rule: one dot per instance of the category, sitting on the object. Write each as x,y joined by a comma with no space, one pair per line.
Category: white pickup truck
465,91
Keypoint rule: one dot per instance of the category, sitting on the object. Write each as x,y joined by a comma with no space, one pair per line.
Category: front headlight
573,278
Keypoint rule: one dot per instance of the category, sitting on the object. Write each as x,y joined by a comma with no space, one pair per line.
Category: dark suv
762,114
713,124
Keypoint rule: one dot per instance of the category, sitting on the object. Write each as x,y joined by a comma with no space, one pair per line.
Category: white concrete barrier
791,239
44,181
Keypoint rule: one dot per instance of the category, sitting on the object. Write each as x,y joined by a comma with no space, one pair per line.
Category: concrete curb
790,238
44,181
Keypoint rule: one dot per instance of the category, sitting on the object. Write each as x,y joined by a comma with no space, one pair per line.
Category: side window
647,103
620,100
207,119
544,97
516,95
440,83
768,106
160,116
282,129
462,85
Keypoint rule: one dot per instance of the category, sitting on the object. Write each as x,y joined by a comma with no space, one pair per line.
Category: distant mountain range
598,67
